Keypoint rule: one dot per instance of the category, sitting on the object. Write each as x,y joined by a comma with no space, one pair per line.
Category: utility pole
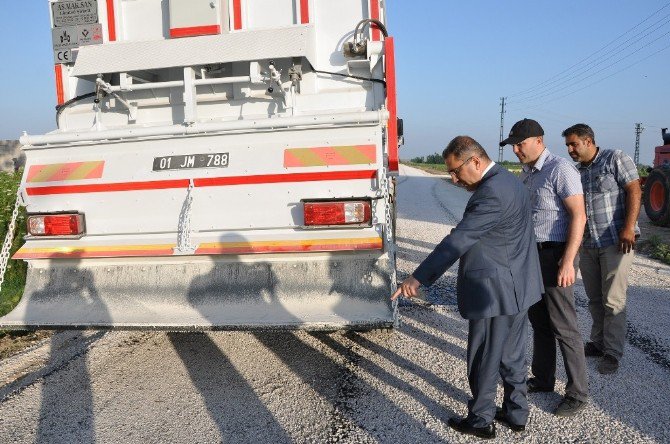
638,130
502,123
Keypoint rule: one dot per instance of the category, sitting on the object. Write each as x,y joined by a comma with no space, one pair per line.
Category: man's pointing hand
409,289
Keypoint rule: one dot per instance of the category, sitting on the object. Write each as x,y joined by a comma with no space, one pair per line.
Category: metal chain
385,185
9,239
184,226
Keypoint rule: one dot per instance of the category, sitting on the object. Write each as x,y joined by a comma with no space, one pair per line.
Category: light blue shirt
549,182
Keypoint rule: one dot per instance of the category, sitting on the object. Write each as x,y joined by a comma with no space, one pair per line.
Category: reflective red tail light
337,213
56,224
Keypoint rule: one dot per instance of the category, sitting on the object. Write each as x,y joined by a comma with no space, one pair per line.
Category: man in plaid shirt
612,196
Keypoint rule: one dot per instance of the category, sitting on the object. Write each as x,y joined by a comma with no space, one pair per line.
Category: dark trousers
497,346
554,318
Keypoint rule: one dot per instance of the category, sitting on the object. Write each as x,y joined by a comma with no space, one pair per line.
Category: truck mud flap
338,292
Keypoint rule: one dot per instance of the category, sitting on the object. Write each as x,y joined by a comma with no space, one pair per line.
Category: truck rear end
217,165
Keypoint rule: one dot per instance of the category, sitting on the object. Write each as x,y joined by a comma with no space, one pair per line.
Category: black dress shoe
592,350
463,426
608,364
569,406
500,416
534,387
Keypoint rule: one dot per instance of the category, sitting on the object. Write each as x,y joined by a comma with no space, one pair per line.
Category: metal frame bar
178,83
359,118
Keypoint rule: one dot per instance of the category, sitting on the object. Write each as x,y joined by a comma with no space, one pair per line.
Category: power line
594,83
549,92
564,119
580,72
590,55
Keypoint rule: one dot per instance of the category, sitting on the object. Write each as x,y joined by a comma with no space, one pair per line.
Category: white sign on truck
70,37
74,12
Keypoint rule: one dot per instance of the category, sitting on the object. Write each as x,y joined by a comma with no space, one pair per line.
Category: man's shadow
351,397
66,406
232,295
238,294
232,404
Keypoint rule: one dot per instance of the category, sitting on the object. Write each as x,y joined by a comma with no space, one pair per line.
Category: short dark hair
580,130
464,146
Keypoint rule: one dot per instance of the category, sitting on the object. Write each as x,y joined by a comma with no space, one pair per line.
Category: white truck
218,164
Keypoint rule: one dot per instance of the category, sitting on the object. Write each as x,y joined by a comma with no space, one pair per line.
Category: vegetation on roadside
15,276
433,168
435,164
643,170
659,250
13,341
433,159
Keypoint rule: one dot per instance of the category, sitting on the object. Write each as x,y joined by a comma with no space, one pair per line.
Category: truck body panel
191,136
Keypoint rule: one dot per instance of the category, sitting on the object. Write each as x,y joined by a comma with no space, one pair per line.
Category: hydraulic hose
62,106
359,27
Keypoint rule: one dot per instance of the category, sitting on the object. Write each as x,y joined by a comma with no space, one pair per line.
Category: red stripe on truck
304,11
237,14
206,248
202,182
195,30
60,93
294,247
28,253
107,187
374,14
391,104
279,178
111,21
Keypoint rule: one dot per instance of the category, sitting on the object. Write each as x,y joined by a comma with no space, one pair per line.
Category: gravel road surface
276,387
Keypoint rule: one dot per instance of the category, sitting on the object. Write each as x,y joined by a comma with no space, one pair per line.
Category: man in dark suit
499,278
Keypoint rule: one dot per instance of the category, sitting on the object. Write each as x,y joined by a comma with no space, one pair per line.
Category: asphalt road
275,387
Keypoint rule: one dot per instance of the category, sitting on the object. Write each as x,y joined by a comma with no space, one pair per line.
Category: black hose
379,24
62,106
383,82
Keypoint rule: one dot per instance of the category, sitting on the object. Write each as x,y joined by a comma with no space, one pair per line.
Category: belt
550,244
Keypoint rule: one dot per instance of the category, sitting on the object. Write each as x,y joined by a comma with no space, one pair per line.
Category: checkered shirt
550,181
604,180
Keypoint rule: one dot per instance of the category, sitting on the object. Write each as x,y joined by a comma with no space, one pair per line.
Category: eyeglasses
456,171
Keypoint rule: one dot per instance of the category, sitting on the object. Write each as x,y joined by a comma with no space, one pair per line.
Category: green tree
643,170
435,159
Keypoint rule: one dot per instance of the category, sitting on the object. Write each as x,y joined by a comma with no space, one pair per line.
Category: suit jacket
499,273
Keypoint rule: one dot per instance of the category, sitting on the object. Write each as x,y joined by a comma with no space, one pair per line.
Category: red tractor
656,195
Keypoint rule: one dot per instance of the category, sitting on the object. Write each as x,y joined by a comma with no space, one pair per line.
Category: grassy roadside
15,276
441,168
658,249
433,168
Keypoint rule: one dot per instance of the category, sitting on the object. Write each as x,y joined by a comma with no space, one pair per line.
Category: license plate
189,161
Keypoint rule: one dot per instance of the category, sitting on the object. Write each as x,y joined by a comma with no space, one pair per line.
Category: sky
601,62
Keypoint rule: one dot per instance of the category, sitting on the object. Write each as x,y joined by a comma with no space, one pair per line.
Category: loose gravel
277,387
